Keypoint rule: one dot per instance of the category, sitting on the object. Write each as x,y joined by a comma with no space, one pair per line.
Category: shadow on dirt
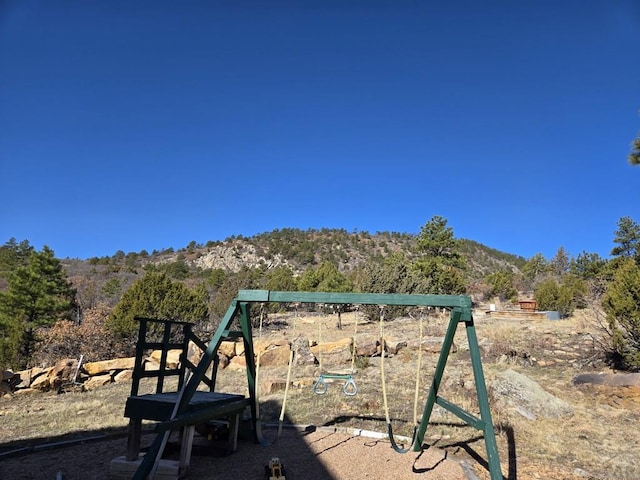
472,449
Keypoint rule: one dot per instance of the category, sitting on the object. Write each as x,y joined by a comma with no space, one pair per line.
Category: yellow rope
258,367
382,374
382,349
355,332
417,392
319,343
286,387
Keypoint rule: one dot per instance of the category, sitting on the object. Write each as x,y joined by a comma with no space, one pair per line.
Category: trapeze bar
349,388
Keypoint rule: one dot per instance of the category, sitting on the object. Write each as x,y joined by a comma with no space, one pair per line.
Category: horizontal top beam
449,301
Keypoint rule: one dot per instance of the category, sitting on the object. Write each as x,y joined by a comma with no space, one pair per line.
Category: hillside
294,248
103,280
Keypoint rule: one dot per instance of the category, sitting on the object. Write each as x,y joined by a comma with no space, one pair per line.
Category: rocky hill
103,280
299,250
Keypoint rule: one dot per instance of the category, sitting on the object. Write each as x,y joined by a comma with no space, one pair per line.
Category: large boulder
97,381
333,353
512,390
29,375
275,357
608,379
173,358
430,344
63,371
367,345
302,354
105,366
227,348
42,382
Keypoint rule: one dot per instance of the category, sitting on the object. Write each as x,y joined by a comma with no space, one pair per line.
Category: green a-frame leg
461,312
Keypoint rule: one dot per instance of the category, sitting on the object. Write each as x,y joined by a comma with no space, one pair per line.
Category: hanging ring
349,388
320,386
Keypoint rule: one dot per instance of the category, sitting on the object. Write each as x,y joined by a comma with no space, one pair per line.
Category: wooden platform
203,406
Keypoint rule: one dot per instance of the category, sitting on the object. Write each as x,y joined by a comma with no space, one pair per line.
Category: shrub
621,304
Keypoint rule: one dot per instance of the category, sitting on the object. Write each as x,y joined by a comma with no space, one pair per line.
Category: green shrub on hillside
564,297
156,296
501,285
621,304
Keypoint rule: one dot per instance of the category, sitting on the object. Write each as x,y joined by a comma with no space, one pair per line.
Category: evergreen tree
621,304
587,266
441,265
331,280
394,275
535,268
14,255
634,155
246,278
546,294
562,297
156,296
559,264
38,295
281,279
627,236
436,240
501,285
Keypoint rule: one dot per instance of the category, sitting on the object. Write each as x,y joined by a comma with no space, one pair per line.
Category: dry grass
599,441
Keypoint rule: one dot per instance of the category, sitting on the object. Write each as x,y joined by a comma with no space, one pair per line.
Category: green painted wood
188,390
451,301
462,414
483,403
245,326
437,378
202,416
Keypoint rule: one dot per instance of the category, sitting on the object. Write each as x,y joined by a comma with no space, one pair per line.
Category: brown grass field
600,441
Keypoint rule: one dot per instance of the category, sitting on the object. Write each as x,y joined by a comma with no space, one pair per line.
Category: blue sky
146,125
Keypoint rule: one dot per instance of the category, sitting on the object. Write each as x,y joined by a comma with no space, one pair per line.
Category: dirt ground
318,455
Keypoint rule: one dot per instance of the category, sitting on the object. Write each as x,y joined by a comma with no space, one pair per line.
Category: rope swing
394,444
261,439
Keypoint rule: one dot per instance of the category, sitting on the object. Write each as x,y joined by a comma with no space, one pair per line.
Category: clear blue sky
146,125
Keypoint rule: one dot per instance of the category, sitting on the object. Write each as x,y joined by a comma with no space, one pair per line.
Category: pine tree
627,236
621,304
38,295
441,265
156,296
634,155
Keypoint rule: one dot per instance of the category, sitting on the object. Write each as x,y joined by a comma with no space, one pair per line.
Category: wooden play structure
189,406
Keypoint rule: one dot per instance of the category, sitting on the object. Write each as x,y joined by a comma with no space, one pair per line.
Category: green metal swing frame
460,307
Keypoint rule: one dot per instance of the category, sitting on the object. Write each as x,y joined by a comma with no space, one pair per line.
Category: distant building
528,305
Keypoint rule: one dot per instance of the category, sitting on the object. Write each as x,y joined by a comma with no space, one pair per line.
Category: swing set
184,415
